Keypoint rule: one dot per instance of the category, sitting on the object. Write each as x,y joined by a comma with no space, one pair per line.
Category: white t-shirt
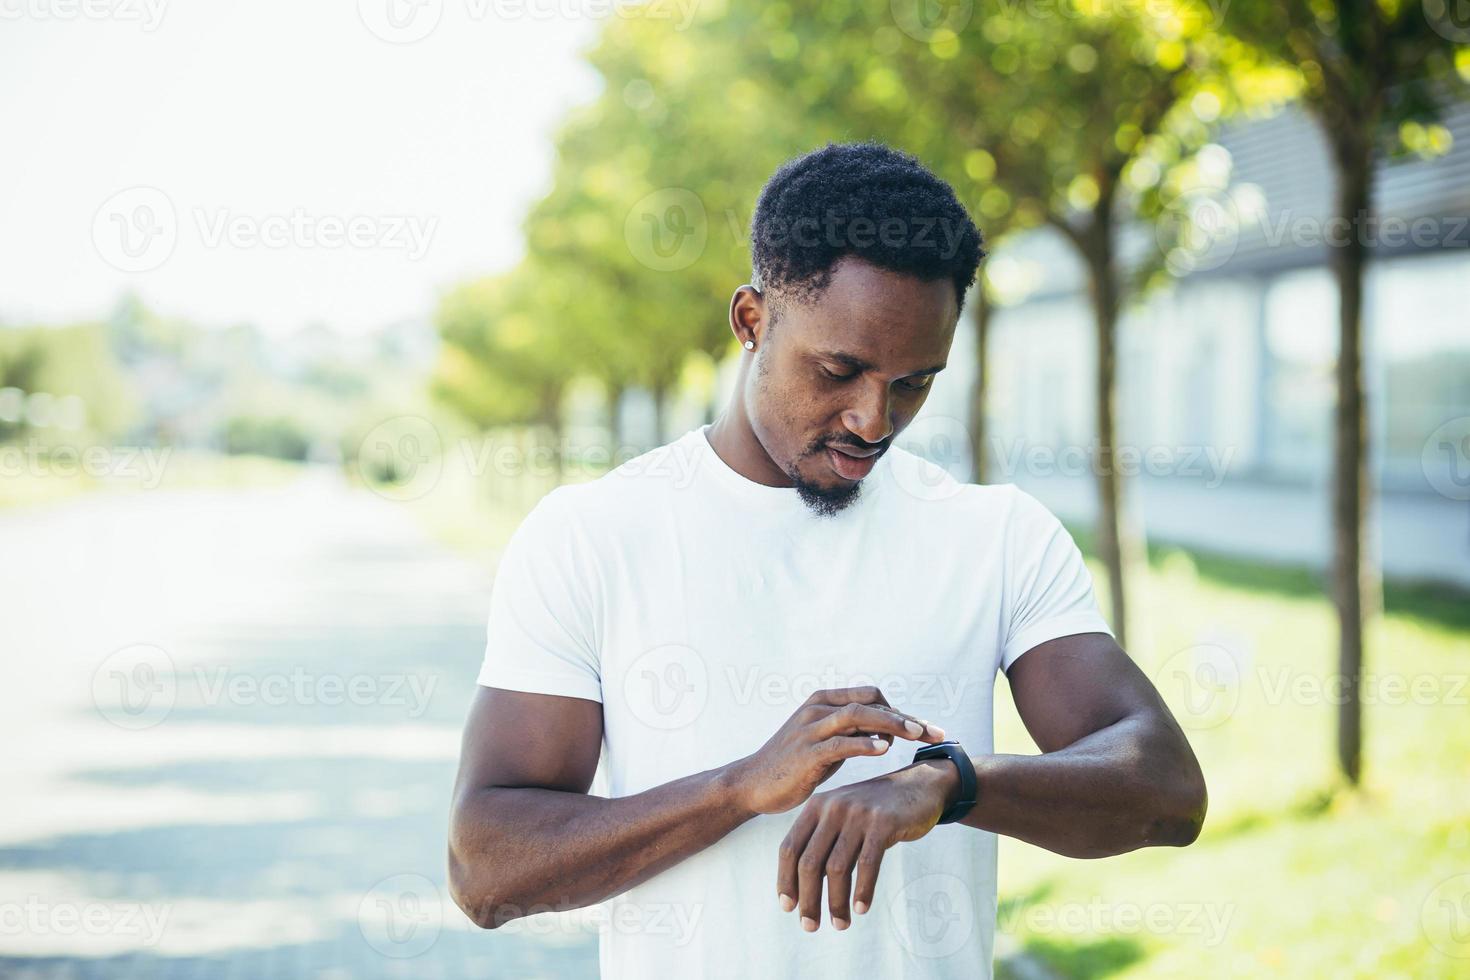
701,609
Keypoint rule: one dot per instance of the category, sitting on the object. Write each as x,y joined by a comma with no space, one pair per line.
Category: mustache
861,447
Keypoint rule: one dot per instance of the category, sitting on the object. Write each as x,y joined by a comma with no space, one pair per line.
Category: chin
827,501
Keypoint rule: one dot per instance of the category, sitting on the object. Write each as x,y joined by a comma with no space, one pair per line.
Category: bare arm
1115,774
525,836
1116,771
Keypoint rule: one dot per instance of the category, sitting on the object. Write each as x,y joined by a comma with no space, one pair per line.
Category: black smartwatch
951,750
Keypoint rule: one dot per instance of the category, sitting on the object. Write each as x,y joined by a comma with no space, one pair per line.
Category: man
763,620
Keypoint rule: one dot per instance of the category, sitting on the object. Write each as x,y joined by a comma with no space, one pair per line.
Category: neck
735,442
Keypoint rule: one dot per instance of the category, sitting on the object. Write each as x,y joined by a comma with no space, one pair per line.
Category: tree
1372,74
1084,120
504,360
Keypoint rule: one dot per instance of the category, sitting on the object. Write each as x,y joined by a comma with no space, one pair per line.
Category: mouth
853,464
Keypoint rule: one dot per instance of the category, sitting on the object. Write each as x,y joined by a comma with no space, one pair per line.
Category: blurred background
304,306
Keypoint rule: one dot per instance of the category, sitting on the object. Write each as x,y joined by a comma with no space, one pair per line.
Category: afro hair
865,200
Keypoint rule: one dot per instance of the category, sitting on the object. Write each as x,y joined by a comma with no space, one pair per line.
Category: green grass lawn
1293,876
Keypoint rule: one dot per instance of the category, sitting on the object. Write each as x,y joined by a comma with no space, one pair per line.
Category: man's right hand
830,727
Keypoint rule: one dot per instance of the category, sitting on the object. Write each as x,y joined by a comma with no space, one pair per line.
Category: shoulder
618,498
916,481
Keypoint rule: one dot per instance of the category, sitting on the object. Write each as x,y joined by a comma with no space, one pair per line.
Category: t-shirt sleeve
1048,588
541,635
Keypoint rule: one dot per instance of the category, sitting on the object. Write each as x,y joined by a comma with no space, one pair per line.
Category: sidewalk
262,789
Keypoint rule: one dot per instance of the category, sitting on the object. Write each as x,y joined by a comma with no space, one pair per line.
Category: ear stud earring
750,345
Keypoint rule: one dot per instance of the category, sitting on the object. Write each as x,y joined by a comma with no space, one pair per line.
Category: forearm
515,849
1130,785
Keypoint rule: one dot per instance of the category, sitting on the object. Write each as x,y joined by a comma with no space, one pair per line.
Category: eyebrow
858,364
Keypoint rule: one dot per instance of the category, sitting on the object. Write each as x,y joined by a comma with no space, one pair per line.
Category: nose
871,419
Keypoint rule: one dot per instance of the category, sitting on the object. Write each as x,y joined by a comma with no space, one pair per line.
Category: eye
835,376
916,385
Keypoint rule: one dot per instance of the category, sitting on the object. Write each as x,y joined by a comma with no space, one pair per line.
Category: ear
748,315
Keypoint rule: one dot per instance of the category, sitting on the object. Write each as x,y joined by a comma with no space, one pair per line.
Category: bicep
516,739
1067,688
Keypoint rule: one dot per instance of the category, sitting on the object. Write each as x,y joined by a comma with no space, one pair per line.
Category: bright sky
293,165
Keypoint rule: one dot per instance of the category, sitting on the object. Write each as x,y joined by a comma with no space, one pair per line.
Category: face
841,375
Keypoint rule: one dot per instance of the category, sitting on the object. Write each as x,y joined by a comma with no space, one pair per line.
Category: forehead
879,315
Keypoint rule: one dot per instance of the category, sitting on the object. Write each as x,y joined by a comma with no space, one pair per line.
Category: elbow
480,903
478,886
1179,814
470,895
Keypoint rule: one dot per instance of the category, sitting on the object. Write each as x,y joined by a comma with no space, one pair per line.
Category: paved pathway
259,789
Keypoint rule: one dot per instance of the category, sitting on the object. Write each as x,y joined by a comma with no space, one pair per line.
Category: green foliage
509,348
72,361
281,437
1376,74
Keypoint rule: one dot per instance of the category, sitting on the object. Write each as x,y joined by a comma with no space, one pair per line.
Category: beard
823,501
827,501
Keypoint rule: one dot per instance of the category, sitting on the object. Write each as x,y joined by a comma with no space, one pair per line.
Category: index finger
842,696
839,696
867,719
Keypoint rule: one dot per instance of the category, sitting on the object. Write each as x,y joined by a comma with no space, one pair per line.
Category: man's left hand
849,828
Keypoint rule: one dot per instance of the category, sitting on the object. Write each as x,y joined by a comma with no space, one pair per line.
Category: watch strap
969,788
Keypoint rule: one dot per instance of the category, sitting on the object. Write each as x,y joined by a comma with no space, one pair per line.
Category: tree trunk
660,413
555,429
1349,444
977,394
1104,290
614,418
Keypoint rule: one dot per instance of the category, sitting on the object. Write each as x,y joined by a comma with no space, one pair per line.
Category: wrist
943,777
730,789
961,767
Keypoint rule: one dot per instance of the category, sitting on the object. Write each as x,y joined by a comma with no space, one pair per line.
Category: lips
853,464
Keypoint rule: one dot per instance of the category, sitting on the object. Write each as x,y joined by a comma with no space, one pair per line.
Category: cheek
789,416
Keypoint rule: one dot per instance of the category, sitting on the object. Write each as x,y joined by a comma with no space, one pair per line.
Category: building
1225,384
